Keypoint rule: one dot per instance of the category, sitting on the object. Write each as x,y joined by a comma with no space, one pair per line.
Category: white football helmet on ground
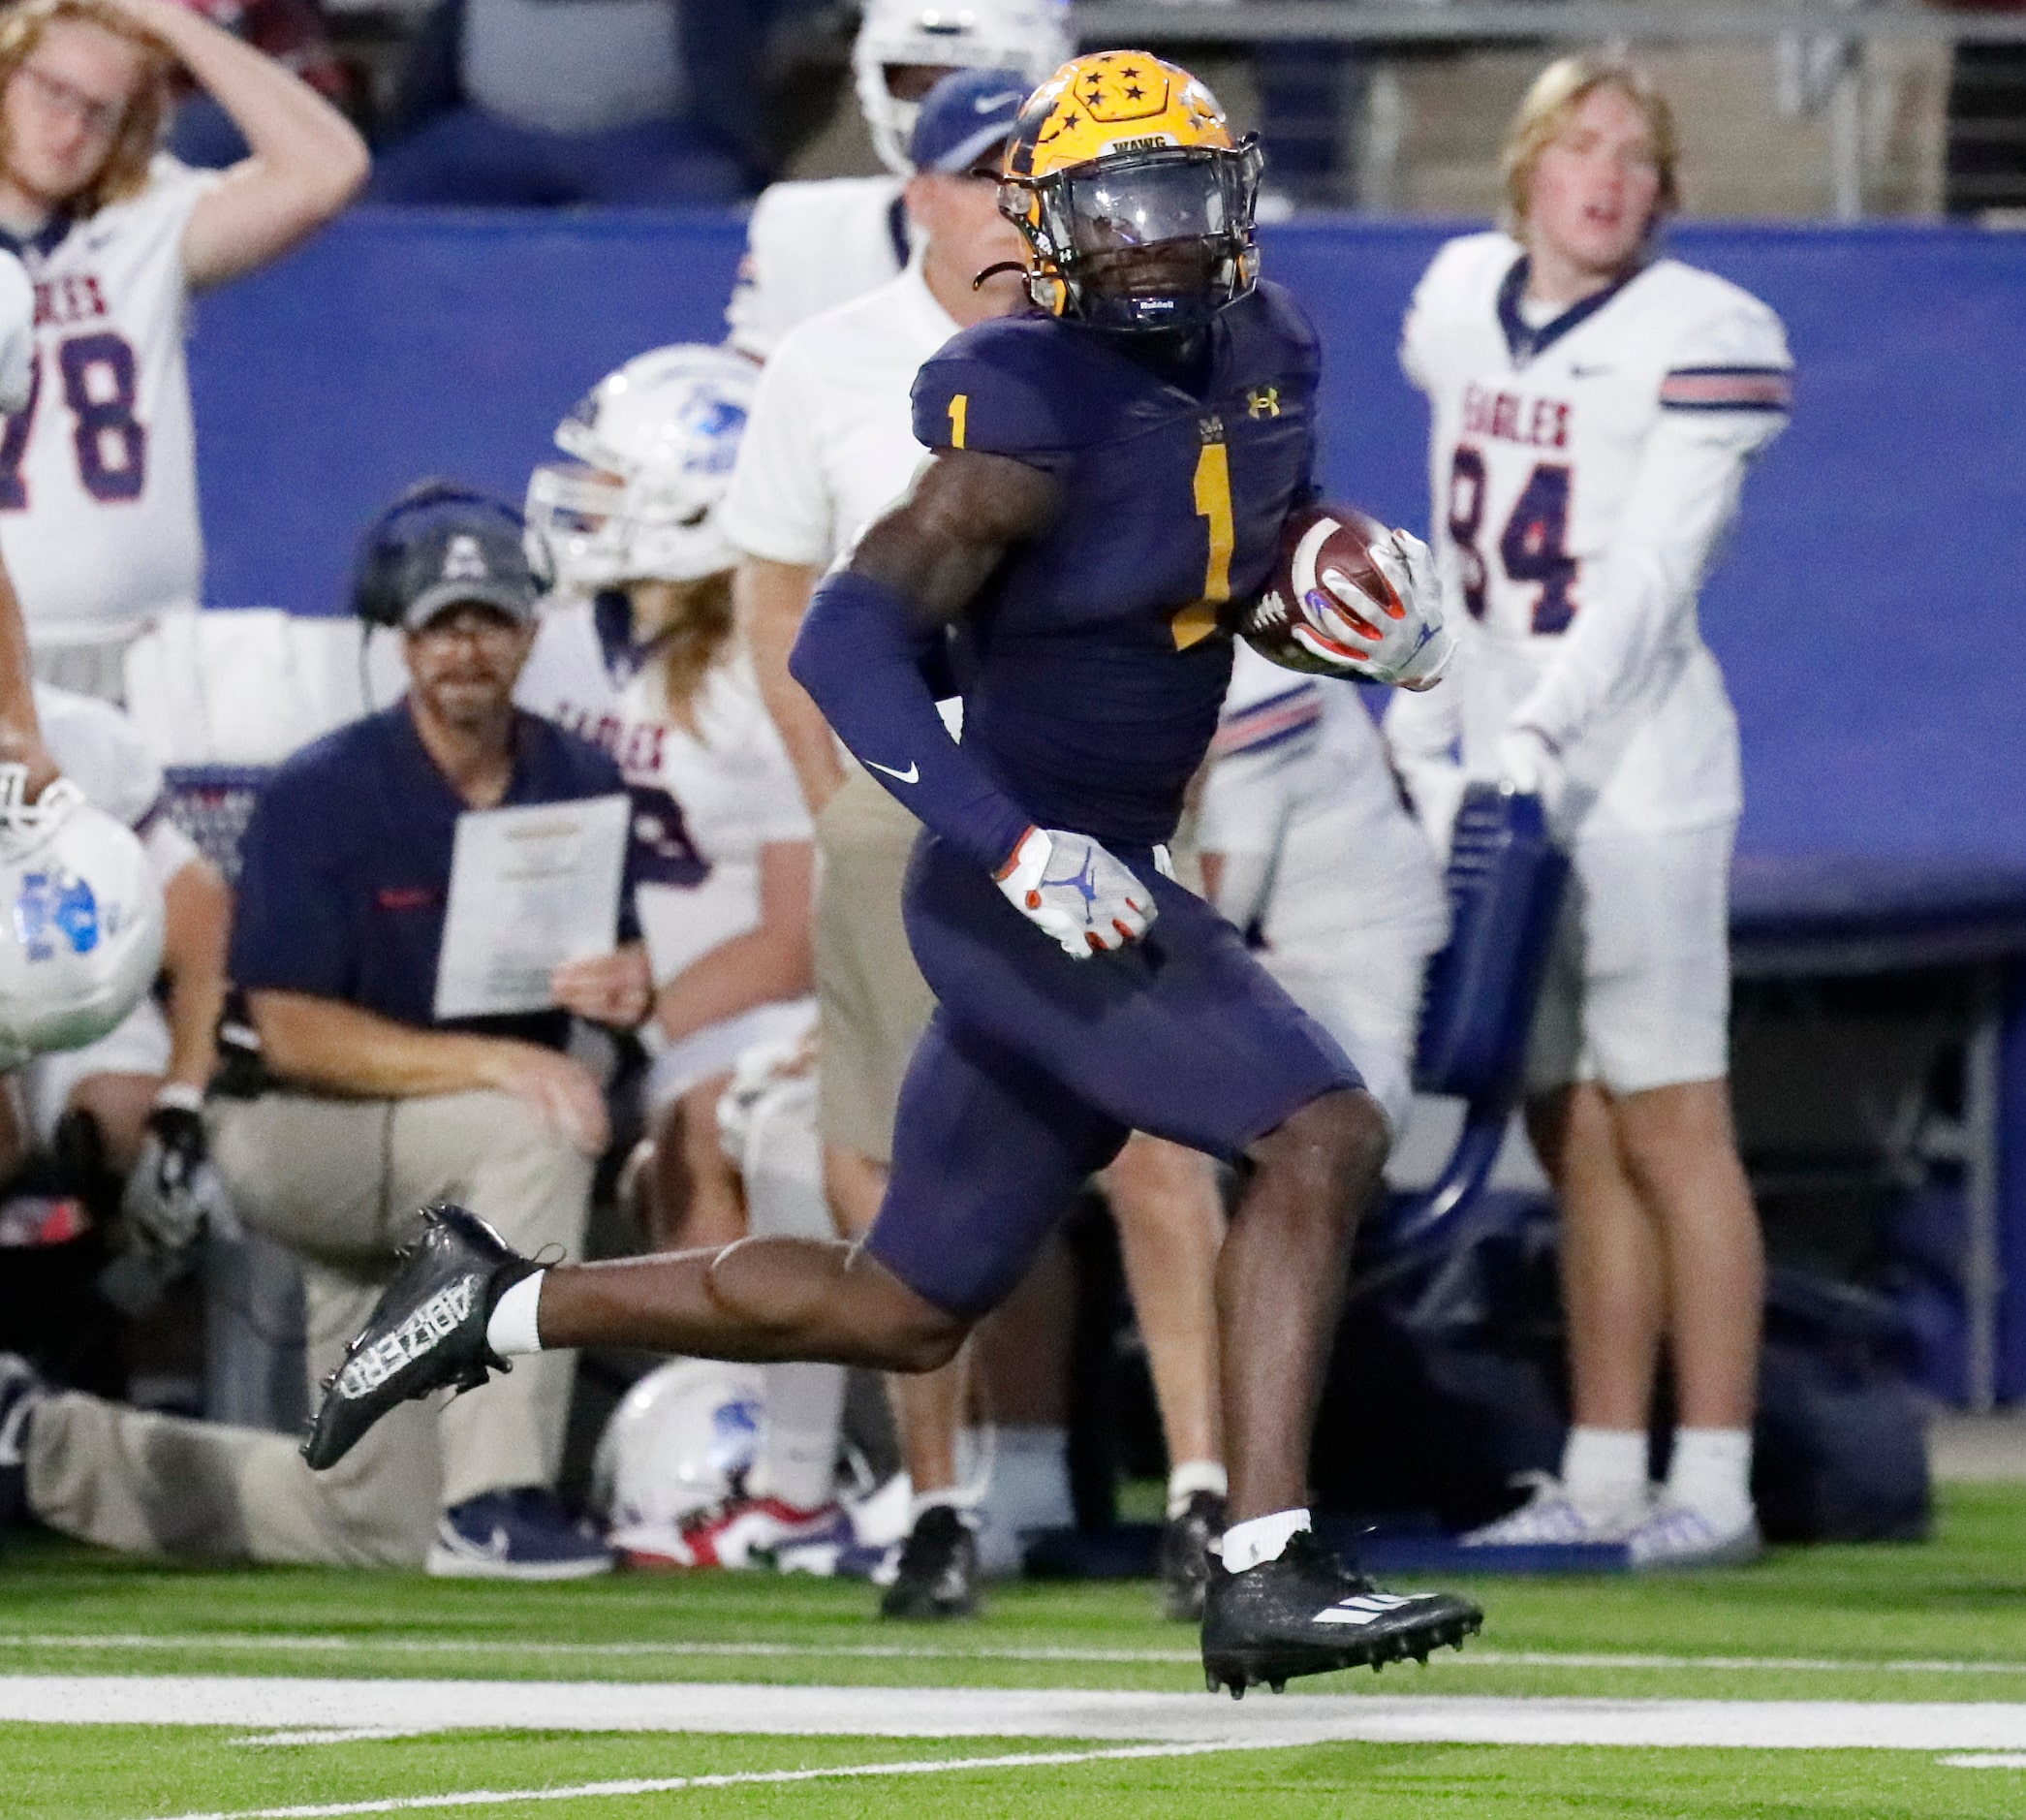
1031,36
670,1448
654,443
82,920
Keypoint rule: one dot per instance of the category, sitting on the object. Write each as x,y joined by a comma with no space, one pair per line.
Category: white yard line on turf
673,1784
1988,1760
495,1648
256,1704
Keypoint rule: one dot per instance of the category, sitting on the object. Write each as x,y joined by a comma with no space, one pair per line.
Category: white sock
510,1329
1260,1539
1604,1470
956,1497
1711,1472
1191,1477
797,1459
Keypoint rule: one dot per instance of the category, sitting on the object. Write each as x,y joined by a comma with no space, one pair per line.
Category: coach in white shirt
98,485
829,447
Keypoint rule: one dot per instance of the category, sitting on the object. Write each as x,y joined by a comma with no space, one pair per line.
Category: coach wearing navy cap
378,1108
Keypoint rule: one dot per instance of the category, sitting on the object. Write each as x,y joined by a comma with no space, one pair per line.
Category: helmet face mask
1136,204
1143,240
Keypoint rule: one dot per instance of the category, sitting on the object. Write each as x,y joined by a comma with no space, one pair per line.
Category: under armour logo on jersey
1265,402
464,561
53,908
1365,1608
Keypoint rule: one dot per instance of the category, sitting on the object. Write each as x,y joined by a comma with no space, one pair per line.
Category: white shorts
137,1045
716,1048
1371,1012
1638,992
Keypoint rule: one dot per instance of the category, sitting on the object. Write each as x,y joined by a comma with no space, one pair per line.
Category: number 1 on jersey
1213,503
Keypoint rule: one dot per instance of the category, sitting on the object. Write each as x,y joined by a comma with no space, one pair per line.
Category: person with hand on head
98,514
1597,407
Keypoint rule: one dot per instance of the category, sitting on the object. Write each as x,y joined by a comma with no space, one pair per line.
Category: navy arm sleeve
868,660
861,655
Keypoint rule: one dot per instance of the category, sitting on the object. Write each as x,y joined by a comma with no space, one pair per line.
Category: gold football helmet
1135,205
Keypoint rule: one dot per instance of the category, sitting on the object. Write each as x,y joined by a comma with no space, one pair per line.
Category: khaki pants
338,1182
873,1002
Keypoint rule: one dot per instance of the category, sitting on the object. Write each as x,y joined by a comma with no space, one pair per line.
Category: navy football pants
1036,1067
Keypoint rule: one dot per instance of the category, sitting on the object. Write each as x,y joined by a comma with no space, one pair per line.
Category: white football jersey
811,246
98,476
572,678
1323,868
703,802
98,748
16,333
1583,470
1302,805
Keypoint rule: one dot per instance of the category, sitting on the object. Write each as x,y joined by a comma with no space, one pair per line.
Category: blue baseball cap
964,117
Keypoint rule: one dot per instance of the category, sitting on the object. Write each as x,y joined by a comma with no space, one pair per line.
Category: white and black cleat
1304,1613
427,1333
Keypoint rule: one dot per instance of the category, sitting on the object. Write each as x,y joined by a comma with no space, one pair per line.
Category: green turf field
792,1690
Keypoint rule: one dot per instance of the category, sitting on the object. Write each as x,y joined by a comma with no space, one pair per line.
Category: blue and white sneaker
522,1534
1678,1536
22,1388
1550,1519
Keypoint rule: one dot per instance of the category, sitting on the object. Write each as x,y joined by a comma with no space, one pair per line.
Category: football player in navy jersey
1108,473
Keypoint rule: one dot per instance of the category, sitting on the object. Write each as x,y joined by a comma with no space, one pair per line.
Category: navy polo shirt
345,867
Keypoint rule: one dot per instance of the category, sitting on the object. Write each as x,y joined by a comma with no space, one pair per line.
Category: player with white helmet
641,656
98,490
1594,410
142,1068
813,245
80,909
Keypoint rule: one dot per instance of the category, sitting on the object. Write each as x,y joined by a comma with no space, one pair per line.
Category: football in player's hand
1326,604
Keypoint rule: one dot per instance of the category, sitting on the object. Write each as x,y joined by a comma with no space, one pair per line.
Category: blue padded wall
1868,613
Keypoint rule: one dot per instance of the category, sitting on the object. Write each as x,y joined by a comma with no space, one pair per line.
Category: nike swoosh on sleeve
911,775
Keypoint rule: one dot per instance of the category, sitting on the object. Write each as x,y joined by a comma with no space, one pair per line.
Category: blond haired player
1595,409
98,488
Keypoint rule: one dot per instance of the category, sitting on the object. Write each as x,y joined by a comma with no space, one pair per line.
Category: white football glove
1069,886
1527,763
1406,646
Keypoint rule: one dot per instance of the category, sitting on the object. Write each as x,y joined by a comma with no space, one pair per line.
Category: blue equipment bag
1506,880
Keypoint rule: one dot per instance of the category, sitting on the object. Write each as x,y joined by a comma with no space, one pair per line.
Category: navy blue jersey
1096,656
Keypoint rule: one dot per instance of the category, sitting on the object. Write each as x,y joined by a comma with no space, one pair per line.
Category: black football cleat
1305,1614
427,1331
1185,1555
938,1573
